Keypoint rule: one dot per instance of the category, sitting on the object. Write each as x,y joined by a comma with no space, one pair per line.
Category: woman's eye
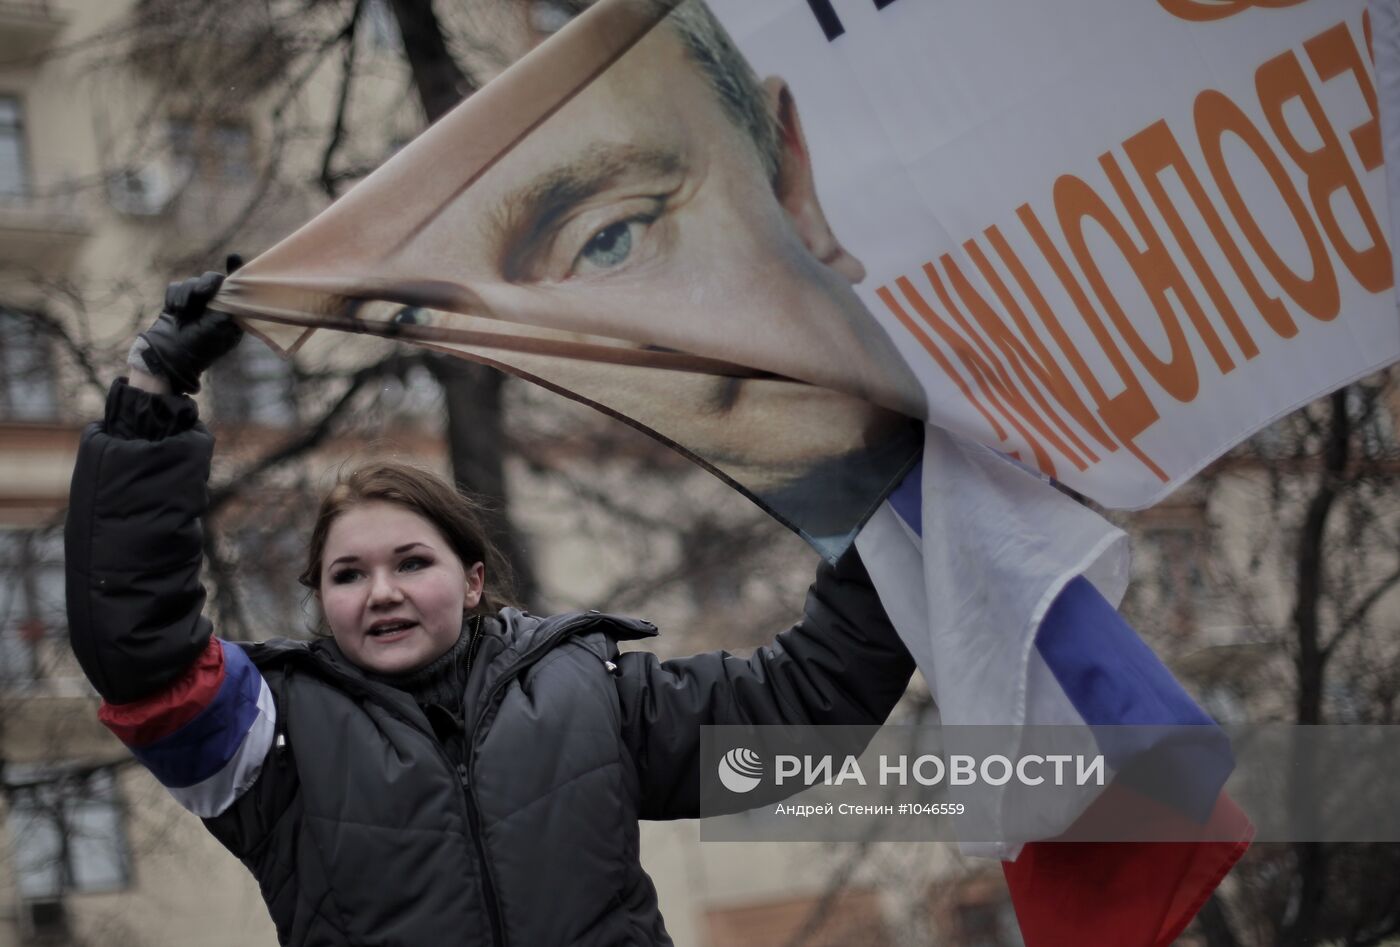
342,576
611,246
413,564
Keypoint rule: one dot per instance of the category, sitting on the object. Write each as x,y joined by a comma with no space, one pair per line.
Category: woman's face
392,589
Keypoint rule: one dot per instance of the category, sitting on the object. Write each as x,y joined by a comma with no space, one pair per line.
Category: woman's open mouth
391,630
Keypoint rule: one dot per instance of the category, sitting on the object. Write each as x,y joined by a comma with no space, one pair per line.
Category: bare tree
1289,578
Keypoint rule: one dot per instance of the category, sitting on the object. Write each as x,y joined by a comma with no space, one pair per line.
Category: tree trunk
475,430
476,441
439,81
1311,659
1311,665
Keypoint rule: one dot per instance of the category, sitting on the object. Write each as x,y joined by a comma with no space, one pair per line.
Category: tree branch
309,438
347,79
233,621
279,139
80,353
1358,614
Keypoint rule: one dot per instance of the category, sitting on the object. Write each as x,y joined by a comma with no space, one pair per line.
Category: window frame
24,555
54,797
23,165
200,148
14,323
243,384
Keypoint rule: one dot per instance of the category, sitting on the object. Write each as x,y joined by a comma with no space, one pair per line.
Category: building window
31,599
14,172
233,150
66,831
26,370
212,152
1179,579
254,385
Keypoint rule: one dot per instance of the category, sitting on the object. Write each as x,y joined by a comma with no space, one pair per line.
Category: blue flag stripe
1118,686
205,745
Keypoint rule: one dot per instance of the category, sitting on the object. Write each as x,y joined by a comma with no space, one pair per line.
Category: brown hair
461,521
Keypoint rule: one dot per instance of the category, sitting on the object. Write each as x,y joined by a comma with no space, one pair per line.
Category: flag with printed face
1109,240
816,246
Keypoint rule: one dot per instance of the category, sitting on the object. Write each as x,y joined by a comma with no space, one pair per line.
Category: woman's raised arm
132,543
842,664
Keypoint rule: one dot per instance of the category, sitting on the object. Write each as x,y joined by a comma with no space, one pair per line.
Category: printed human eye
612,246
609,247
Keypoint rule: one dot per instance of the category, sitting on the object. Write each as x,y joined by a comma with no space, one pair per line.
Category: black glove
187,338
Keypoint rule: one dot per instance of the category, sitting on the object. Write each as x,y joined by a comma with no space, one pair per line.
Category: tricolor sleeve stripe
147,721
203,746
213,795
204,738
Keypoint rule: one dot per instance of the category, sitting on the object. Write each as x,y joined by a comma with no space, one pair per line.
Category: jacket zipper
469,785
469,813
468,796
468,809
471,644
493,909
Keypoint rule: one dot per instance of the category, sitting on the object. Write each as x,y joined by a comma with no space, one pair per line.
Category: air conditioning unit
45,922
145,191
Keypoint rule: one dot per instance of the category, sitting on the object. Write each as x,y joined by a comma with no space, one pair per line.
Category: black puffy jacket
360,829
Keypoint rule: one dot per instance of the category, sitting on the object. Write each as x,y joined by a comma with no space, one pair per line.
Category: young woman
440,769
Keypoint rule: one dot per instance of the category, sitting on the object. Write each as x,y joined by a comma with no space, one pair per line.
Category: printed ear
796,188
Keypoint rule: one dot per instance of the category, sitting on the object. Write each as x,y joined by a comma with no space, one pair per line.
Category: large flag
1077,666
1108,239
1090,242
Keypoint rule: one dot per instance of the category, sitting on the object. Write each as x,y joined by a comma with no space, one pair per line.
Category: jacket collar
526,638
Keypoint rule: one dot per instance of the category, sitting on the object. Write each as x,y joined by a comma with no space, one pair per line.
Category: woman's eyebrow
397,550
529,214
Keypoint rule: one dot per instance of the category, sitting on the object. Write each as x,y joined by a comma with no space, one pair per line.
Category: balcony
28,28
40,232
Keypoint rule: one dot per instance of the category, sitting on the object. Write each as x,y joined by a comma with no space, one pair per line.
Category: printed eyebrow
532,212
397,550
